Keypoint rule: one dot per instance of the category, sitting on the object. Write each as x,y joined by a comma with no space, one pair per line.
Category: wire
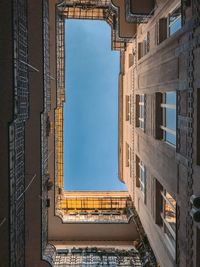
3,221
27,187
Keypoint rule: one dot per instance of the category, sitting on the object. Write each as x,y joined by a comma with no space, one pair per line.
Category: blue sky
91,108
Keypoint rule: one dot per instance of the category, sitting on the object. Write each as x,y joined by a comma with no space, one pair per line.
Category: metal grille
60,61
16,134
16,193
93,257
47,76
95,10
95,209
50,254
44,125
146,253
60,100
44,192
20,59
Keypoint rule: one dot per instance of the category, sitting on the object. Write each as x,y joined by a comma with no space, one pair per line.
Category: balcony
94,207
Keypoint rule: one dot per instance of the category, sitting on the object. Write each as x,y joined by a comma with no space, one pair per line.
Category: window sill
167,145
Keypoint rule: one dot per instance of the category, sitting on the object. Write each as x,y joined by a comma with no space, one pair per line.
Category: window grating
16,134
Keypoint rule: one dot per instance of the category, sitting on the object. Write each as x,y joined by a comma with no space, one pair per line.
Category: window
131,163
161,30
127,155
146,44
168,215
165,211
140,111
168,126
141,175
168,25
127,107
144,47
175,21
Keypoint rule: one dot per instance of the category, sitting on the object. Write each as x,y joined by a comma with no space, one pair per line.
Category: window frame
163,25
165,223
164,106
169,25
130,162
140,104
127,155
141,171
144,46
161,200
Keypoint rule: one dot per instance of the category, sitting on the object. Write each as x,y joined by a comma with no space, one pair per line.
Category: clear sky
91,108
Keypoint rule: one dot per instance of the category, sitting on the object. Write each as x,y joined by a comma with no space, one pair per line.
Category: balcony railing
45,125
16,134
94,209
93,256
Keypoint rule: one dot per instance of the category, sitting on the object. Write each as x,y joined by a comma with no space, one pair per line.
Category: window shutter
162,30
140,48
148,42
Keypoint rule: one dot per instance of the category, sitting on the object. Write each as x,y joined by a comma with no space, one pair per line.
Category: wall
6,108
166,68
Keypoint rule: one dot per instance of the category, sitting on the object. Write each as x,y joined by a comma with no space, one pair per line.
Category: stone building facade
160,87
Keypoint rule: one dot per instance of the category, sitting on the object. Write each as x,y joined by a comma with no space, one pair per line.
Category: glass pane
171,200
175,21
175,26
142,187
170,216
142,112
142,98
170,211
171,119
170,237
171,98
170,138
174,15
142,175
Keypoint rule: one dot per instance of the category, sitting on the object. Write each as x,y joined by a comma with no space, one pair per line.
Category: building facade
160,129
